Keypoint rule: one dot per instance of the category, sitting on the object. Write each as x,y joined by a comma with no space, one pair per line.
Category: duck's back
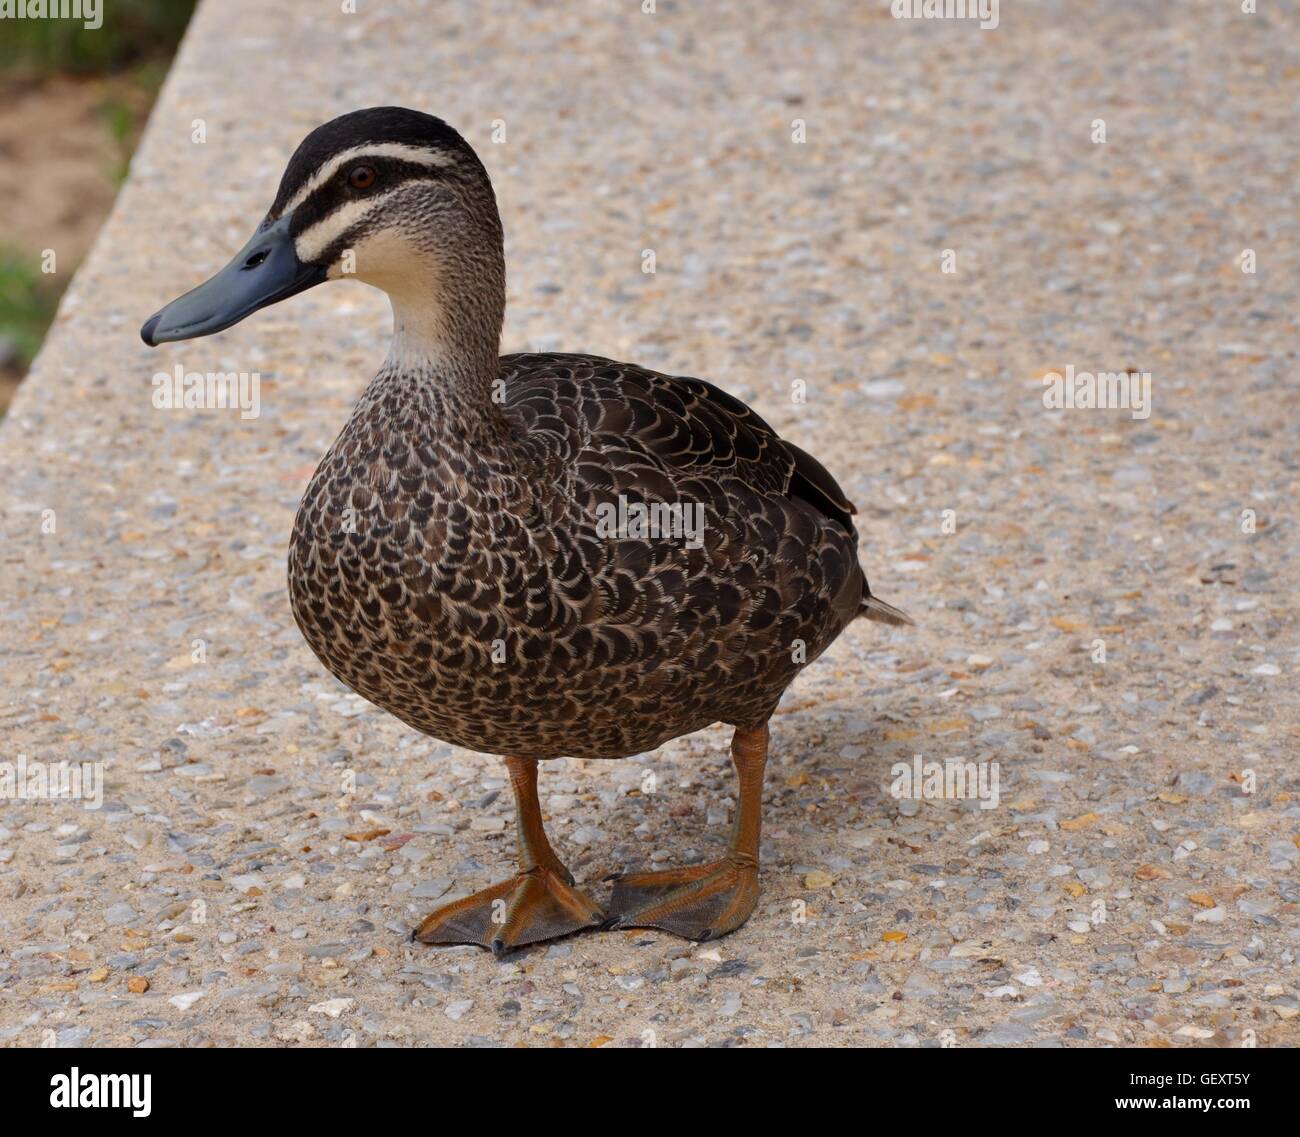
638,555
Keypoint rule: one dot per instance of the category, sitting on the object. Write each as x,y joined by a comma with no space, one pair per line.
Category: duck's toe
526,909
699,903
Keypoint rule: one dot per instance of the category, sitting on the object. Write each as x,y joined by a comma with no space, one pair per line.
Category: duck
535,556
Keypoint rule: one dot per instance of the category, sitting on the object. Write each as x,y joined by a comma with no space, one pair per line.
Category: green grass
120,121
132,31
134,44
28,299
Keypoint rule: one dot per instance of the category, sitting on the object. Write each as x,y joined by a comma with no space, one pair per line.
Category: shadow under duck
458,557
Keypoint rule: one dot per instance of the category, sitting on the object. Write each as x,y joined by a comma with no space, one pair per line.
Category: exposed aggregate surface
267,839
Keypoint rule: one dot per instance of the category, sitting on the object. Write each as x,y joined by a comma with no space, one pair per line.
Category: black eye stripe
389,174
390,171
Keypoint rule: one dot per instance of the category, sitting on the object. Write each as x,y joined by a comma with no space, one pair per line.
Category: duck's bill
264,271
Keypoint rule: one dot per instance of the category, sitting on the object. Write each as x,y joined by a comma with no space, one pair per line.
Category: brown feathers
873,608
534,612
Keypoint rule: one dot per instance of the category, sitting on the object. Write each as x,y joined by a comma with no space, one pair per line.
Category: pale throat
425,341
445,353
445,319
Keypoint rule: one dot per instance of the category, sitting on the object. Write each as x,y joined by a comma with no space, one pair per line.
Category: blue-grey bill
264,271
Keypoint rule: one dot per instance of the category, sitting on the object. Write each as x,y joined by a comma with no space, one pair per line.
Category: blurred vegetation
128,54
132,32
123,126
28,298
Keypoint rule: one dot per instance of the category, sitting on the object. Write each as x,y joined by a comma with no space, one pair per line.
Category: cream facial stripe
310,243
416,154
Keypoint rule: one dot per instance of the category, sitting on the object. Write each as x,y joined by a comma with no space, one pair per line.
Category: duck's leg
705,901
538,903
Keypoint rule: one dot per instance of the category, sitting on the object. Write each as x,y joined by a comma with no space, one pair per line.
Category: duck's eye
362,177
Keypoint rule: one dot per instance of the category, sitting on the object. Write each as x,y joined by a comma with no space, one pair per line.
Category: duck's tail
873,608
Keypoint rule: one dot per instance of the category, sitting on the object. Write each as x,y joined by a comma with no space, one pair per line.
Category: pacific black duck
473,556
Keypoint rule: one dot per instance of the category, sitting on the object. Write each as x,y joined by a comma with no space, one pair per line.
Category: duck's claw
532,906
699,903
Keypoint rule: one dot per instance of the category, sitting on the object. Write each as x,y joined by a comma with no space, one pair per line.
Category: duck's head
390,196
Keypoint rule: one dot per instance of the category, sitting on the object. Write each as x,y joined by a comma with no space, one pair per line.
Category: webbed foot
702,902
540,904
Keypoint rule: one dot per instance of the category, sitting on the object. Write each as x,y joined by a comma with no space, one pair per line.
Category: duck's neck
445,354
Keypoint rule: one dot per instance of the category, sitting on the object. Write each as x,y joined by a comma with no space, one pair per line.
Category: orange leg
538,903
705,901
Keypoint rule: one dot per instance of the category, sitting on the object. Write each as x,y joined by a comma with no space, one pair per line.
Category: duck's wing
742,446
676,437
746,444
690,426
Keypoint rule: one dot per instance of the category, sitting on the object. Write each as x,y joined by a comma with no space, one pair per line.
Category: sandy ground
58,161
1108,611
